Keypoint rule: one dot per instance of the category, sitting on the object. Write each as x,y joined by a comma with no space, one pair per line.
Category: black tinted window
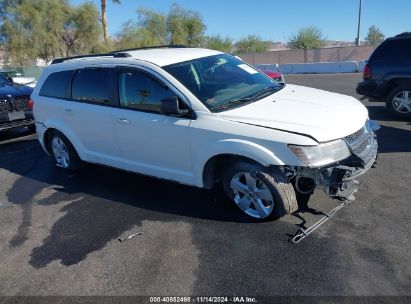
56,84
140,91
92,85
393,50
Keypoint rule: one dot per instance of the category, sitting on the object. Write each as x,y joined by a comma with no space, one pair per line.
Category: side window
56,84
92,85
393,50
137,90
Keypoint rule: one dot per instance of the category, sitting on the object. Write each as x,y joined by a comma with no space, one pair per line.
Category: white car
18,78
200,117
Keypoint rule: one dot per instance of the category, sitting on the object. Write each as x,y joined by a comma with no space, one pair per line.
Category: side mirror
170,106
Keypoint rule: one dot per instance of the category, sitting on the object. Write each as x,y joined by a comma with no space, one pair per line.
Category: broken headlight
322,154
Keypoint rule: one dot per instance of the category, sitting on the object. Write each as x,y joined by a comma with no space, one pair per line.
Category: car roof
167,56
158,56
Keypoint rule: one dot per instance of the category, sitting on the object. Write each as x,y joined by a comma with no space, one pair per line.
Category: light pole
357,41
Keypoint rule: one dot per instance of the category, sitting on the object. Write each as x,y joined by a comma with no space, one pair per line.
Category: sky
276,20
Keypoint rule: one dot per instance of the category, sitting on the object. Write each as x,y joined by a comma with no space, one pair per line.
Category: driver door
150,142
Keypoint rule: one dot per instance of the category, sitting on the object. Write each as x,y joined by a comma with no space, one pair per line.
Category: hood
319,114
23,80
10,90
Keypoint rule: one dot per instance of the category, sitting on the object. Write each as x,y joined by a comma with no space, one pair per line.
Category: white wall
319,67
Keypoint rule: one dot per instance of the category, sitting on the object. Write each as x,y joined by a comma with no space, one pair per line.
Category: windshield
3,81
223,81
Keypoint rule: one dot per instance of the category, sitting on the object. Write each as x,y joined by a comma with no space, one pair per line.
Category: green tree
104,17
133,36
251,44
185,26
81,33
33,29
374,36
178,26
219,43
309,37
154,25
49,28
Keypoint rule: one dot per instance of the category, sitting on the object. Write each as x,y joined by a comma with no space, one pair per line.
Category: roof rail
117,54
403,34
171,46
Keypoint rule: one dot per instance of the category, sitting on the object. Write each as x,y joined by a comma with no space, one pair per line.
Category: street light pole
357,41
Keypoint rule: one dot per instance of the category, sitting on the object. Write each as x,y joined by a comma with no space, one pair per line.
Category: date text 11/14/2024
203,299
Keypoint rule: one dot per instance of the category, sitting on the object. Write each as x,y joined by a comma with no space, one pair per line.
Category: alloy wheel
60,152
402,102
252,195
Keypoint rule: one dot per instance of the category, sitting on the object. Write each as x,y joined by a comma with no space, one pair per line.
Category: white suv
201,117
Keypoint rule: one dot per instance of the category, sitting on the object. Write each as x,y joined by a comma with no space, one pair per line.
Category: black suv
15,106
387,75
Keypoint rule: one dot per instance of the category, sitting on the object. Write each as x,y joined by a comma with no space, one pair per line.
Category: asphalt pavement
59,232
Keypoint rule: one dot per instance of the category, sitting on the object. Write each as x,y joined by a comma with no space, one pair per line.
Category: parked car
18,78
201,117
387,75
271,71
15,106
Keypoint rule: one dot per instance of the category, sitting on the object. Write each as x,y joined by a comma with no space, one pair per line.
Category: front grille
362,143
20,103
12,104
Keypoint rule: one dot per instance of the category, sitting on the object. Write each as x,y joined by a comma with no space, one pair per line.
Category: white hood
320,114
23,80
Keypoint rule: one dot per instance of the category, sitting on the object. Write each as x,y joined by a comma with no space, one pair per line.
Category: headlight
323,154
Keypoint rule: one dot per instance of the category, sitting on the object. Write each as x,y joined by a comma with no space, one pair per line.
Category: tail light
367,74
30,104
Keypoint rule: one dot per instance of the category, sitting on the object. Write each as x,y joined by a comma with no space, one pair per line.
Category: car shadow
380,113
98,203
14,134
391,139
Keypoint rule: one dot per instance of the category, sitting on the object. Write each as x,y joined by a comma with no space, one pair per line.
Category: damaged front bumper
340,180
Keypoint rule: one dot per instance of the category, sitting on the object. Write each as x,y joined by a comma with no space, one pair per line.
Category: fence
335,54
29,71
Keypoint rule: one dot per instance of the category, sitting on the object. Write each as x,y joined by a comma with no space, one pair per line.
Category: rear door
88,114
150,143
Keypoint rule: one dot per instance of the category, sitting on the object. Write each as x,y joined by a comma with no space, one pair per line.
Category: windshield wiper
260,94
233,102
265,92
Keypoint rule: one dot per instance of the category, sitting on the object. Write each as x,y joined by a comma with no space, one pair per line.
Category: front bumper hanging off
340,180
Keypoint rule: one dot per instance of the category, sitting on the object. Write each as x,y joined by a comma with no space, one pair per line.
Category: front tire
259,192
63,152
399,101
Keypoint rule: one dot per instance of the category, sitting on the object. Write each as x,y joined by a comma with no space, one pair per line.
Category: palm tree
104,17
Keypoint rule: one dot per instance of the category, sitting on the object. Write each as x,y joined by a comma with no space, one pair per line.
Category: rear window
92,85
56,85
393,50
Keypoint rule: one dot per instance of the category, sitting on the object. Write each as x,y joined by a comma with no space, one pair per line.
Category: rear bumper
41,131
16,124
370,89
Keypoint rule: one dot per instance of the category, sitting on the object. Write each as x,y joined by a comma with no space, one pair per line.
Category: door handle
68,111
123,121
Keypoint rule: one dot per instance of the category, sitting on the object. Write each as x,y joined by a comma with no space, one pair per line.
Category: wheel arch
219,154
395,82
74,140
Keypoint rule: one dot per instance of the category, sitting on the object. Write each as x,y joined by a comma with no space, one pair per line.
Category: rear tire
399,101
63,152
259,192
